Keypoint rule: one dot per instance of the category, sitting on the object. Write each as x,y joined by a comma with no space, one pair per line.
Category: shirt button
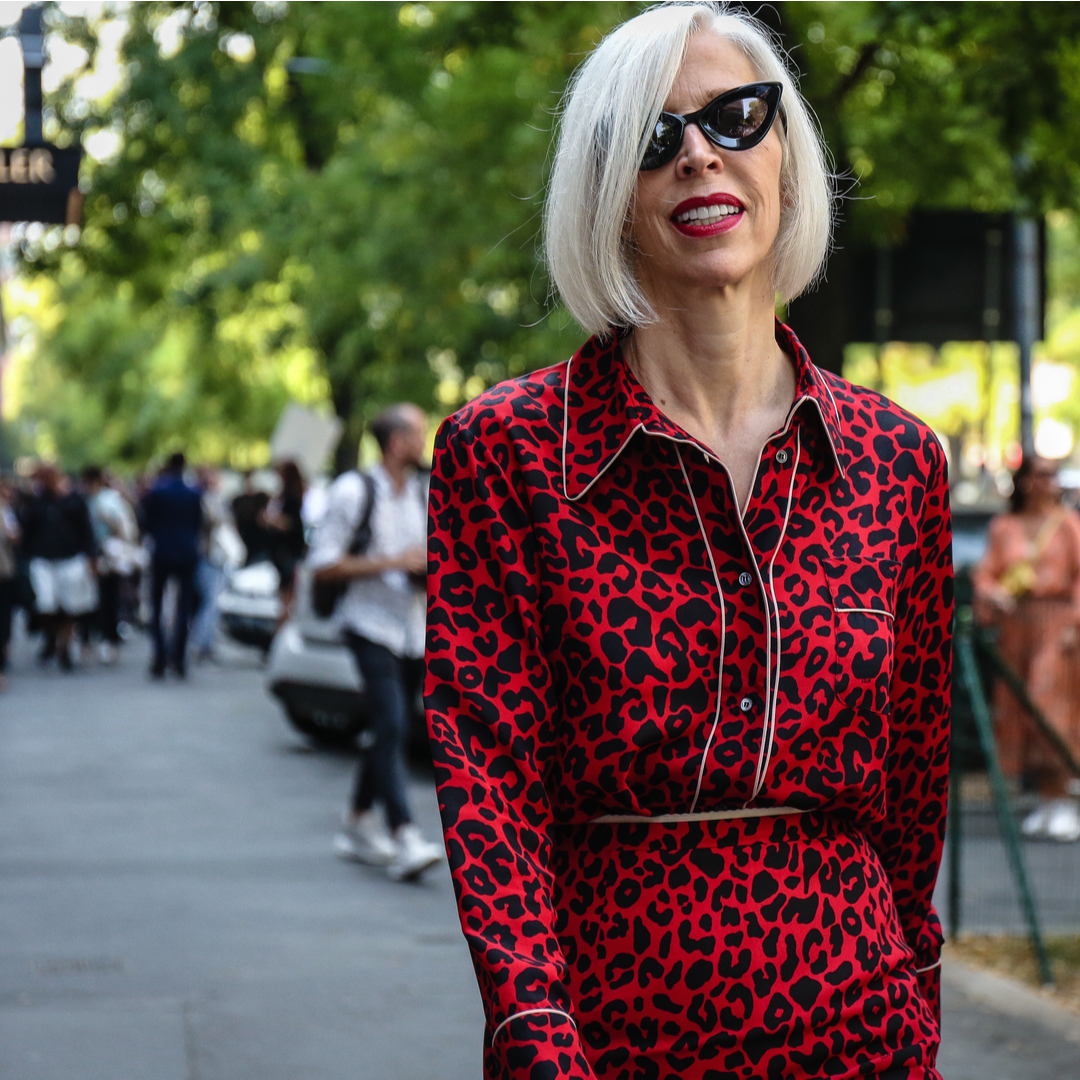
745,579
746,704
781,457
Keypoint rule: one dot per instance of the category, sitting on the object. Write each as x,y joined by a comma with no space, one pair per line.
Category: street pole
1026,300
33,50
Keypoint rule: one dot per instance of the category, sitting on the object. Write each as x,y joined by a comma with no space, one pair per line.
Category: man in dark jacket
171,513
58,540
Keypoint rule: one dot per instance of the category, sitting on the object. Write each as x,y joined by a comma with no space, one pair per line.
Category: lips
709,215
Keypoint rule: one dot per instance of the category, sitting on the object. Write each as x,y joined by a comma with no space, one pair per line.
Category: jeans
184,576
108,613
391,682
208,579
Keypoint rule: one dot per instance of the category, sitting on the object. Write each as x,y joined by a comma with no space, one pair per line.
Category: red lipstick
707,221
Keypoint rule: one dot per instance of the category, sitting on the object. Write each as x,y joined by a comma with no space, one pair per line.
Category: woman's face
673,255
1042,482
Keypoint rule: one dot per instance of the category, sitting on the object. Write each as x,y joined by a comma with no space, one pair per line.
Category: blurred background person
171,513
382,617
117,534
1028,586
247,511
284,525
216,555
58,541
9,537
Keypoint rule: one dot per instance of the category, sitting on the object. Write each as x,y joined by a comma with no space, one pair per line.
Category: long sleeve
335,531
491,711
909,840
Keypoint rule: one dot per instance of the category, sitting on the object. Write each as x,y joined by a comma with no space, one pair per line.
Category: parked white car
313,674
249,606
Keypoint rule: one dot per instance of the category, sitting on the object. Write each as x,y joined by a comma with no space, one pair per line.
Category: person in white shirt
382,616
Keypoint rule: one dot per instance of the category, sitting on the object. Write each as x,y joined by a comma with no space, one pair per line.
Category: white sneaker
364,839
414,855
1034,825
1063,822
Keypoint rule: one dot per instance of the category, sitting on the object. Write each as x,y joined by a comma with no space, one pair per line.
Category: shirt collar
605,406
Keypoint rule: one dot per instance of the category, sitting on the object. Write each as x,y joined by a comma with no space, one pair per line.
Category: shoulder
1072,522
527,408
348,489
879,433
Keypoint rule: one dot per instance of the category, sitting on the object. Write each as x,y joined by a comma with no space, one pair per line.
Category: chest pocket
864,605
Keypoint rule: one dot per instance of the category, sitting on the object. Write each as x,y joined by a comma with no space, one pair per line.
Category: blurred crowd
90,557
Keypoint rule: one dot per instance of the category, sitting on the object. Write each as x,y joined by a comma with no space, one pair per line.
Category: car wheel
326,727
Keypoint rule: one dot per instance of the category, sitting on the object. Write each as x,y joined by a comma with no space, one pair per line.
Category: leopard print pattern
607,634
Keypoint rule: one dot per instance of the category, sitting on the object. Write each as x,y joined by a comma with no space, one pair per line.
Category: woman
1028,584
284,524
689,614
9,568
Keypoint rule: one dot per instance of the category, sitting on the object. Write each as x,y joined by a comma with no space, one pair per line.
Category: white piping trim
704,815
565,433
828,390
531,1012
771,718
919,971
723,632
867,611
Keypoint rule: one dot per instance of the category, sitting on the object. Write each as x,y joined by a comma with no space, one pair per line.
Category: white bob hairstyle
611,105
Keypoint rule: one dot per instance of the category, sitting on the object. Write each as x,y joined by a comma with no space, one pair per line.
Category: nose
697,156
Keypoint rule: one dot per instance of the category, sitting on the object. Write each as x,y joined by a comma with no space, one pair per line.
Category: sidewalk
997,1029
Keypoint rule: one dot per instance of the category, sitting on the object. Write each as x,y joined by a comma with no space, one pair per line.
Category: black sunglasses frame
656,157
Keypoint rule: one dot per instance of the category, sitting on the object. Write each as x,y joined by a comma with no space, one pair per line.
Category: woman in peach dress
1028,584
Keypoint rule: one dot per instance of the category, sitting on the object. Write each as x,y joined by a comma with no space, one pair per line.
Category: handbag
326,595
1019,577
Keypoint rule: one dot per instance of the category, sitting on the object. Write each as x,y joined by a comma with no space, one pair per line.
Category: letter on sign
41,167
20,167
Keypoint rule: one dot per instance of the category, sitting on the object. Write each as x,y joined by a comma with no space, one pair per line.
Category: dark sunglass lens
740,119
665,141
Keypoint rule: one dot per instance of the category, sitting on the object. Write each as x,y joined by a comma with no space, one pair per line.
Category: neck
712,364
397,469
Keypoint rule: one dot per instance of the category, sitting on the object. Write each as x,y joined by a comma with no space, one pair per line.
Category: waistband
705,815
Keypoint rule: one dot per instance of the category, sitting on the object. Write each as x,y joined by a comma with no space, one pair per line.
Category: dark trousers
184,576
108,613
7,602
392,683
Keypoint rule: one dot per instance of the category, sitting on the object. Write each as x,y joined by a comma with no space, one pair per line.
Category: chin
710,273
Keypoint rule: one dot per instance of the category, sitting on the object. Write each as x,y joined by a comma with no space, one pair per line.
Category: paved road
169,907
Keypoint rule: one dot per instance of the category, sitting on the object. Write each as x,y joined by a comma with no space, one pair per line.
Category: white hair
611,105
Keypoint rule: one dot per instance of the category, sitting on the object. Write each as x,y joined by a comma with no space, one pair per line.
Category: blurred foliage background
339,204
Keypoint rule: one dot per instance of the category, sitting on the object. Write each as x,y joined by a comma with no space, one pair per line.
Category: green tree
341,202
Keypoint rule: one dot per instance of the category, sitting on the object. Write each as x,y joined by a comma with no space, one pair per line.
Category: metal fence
993,879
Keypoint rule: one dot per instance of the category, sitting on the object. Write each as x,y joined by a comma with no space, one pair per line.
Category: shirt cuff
536,1037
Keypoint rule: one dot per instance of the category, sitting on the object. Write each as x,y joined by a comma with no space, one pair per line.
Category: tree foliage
340,203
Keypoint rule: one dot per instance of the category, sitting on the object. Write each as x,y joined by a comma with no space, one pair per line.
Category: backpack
325,596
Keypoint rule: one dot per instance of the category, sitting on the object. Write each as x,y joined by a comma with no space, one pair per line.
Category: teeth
706,215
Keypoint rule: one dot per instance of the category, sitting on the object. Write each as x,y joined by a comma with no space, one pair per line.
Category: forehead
712,65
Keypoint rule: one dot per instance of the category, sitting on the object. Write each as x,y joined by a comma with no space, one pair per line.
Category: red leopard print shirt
608,635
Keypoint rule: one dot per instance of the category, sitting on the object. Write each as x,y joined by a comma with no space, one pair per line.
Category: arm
85,527
910,836
491,710
990,595
329,557
1072,526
